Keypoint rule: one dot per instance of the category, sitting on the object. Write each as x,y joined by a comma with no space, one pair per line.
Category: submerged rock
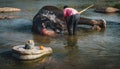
106,10
8,17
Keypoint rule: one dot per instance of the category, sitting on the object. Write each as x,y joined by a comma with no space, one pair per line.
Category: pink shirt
69,12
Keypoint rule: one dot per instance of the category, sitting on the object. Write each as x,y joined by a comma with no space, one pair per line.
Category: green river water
87,50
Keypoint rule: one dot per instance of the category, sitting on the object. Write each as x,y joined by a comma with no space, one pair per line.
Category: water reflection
72,51
71,44
40,39
16,63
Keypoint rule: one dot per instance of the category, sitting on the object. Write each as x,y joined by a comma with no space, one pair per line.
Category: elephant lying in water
49,21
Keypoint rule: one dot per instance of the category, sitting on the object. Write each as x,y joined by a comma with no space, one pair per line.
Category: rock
29,44
9,9
21,53
8,17
106,10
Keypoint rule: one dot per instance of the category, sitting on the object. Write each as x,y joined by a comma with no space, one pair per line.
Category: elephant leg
96,27
85,21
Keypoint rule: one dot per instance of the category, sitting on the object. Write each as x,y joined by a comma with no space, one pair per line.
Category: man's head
65,7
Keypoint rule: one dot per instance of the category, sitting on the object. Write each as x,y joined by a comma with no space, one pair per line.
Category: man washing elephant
50,21
72,17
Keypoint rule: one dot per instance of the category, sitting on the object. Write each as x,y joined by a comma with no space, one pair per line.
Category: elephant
50,19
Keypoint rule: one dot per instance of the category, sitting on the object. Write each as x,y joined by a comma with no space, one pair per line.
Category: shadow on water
7,55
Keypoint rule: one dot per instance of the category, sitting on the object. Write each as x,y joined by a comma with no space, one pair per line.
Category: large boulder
51,18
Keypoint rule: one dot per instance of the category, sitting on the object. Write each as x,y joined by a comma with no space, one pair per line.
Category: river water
87,50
